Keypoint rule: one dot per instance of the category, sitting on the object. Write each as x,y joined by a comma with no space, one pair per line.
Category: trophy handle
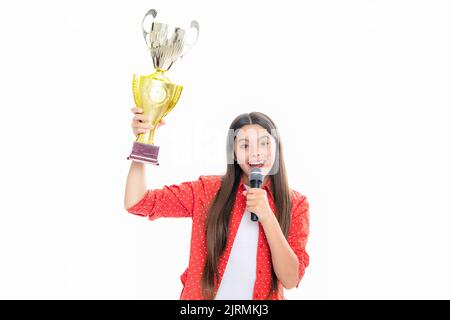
153,13
188,46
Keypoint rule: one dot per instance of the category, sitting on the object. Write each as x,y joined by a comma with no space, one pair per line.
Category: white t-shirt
240,273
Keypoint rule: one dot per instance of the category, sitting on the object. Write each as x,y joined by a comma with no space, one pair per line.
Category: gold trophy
155,94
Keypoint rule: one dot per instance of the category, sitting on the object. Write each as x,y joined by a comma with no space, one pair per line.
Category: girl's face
254,147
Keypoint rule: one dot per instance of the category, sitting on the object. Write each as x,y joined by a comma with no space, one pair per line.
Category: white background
358,89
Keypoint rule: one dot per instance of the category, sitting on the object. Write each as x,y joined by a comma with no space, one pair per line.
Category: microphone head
255,175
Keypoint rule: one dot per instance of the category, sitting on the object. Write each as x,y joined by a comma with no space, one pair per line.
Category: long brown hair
219,214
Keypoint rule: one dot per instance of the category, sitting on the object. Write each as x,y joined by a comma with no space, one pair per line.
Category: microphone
256,178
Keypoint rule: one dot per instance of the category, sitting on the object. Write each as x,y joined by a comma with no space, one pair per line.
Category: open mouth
258,164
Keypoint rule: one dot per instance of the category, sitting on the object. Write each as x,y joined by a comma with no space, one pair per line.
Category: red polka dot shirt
192,199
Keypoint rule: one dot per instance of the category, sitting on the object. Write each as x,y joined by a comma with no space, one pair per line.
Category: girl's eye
265,143
244,146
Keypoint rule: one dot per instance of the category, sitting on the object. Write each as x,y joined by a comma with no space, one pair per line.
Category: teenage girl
231,256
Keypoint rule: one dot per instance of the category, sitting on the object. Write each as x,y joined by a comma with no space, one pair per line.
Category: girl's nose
255,157
254,152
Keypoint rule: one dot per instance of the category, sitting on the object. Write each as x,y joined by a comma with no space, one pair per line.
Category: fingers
136,110
141,122
139,117
142,117
140,130
255,190
253,193
141,125
253,197
251,203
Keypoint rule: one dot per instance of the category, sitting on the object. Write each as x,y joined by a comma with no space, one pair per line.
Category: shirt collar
266,186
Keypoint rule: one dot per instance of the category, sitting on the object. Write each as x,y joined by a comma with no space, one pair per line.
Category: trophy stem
146,137
151,136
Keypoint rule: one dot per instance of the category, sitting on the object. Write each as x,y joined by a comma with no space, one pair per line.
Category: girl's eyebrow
258,138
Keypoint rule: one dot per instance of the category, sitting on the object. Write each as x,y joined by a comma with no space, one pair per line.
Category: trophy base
145,153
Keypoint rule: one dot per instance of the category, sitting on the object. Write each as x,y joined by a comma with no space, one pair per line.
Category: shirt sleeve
298,234
174,201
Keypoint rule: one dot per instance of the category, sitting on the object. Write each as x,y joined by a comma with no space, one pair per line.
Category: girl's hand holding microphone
141,123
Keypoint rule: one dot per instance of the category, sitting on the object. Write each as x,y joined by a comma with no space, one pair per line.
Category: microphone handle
254,184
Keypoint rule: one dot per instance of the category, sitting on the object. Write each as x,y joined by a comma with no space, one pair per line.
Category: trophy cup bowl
155,94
